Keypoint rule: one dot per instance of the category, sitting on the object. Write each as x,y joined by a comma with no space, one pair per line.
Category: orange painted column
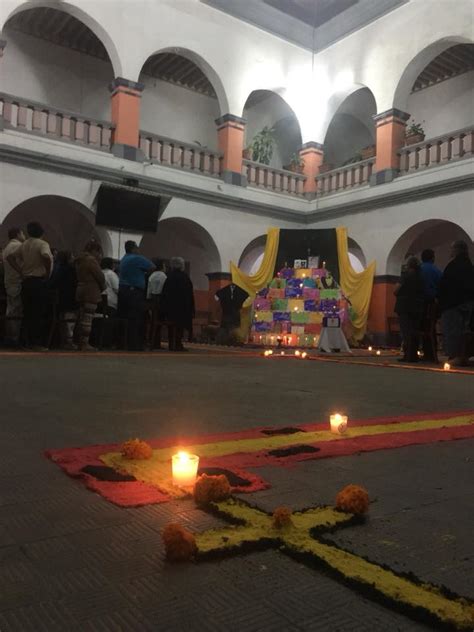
230,133
381,308
390,135
125,102
312,155
217,280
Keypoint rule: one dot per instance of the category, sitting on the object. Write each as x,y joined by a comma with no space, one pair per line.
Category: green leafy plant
413,128
296,162
263,145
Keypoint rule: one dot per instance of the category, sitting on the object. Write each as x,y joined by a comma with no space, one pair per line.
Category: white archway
68,224
180,237
83,16
437,234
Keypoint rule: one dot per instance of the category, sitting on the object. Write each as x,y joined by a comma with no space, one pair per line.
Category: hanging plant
263,145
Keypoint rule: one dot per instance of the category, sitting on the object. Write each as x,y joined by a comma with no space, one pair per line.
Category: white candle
369,348
184,468
338,423
304,354
378,352
447,366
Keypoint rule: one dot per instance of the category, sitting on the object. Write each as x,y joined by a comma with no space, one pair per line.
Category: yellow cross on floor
301,539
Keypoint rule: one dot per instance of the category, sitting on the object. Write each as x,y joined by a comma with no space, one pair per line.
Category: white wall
176,112
444,107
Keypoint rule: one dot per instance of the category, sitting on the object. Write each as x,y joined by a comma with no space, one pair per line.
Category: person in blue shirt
133,272
431,276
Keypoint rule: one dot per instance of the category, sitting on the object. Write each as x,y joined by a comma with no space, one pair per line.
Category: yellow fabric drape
357,286
253,284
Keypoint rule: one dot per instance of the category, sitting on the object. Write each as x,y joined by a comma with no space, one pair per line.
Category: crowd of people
426,294
43,286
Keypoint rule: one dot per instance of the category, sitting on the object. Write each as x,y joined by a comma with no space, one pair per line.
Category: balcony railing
278,180
347,177
437,151
173,153
37,118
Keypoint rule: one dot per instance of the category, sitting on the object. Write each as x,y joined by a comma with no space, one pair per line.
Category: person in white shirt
156,280
12,281
111,283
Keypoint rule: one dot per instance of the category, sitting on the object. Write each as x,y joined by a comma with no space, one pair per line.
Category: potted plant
367,152
262,145
414,133
296,164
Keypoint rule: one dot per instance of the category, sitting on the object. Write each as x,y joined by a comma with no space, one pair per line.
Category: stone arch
252,255
181,237
269,108
437,234
83,16
356,255
351,127
417,64
68,224
203,65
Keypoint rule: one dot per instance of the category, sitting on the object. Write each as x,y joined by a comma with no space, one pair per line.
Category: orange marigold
353,499
136,449
209,489
180,544
282,517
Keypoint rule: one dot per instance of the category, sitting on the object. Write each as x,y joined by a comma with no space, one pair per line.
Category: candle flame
447,366
370,348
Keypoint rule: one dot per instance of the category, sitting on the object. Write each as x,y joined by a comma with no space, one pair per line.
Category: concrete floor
71,561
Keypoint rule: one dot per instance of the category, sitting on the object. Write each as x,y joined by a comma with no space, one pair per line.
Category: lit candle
369,348
295,309
378,352
447,366
282,353
184,468
304,354
338,423
297,352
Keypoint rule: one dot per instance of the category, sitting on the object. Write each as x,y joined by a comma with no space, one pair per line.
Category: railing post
312,156
390,132
230,134
125,101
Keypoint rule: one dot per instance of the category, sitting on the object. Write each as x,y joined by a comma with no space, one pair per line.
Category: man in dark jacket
177,302
456,300
409,307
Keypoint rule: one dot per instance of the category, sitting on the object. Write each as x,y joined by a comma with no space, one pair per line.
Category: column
230,132
390,134
217,280
381,308
125,102
312,155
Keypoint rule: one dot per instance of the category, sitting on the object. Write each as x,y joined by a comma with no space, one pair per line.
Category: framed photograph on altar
300,263
313,262
332,322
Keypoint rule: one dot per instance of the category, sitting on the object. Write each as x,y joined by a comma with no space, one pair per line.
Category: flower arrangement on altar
136,449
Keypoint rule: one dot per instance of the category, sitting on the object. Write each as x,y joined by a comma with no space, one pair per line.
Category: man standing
12,281
178,303
431,276
33,259
456,300
131,298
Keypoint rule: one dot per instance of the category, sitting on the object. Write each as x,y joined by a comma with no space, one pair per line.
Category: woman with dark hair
177,302
409,307
90,285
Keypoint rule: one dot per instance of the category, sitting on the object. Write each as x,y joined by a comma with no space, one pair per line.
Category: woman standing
177,302
90,285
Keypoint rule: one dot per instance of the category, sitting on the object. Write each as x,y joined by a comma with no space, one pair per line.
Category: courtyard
71,560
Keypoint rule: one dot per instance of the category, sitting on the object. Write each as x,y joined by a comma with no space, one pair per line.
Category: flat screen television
127,209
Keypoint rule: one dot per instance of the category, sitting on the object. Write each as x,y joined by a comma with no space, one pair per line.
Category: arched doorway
179,237
266,109
351,130
356,255
441,97
437,234
183,97
68,224
252,255
43,38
